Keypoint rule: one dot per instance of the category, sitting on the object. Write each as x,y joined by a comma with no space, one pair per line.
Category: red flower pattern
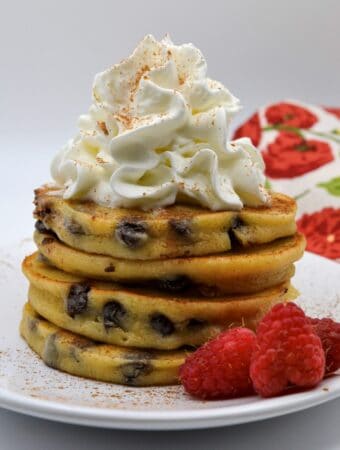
290,155
322,231
290,115
251,129
335,111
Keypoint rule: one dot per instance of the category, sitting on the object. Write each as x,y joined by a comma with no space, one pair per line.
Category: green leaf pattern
332,186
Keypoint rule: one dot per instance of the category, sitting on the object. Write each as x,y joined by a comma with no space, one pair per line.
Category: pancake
124,316
236,272
175,231
77,355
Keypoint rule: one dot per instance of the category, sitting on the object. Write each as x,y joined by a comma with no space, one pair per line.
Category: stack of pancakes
124,295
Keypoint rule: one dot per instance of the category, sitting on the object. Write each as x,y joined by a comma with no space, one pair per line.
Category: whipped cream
156,134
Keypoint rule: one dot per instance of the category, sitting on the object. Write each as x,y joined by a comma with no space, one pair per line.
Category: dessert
175,231
71,353
129,316
237,272
157,232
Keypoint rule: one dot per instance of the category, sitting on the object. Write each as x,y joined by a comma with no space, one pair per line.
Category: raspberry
220,368
288,352
329,332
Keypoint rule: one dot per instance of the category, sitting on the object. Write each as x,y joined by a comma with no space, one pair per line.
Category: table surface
316,428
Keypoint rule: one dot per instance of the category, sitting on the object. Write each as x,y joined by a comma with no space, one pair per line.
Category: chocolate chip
162,324
182,227
174,284
194,324
110,268
50,352
131,371
237,222
72,226
113,315
42,211
40,226
47,240
77,298
236,225
133,234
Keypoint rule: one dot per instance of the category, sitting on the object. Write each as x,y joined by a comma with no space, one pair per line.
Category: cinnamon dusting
102,126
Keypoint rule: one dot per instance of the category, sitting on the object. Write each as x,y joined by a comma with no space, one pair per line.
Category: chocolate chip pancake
239,271
158,232
127,316
175,231
77,355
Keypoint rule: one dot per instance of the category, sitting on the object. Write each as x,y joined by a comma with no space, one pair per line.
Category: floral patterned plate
300,145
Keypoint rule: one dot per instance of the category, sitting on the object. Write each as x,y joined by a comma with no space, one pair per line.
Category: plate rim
173,419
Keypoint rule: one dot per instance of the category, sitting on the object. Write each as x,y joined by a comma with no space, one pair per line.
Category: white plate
28,386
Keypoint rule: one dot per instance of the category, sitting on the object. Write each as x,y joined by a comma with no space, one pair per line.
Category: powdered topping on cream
156,134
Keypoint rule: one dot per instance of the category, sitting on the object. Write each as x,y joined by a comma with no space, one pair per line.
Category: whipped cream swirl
156,134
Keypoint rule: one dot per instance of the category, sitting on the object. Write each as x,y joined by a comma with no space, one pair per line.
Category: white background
262,51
